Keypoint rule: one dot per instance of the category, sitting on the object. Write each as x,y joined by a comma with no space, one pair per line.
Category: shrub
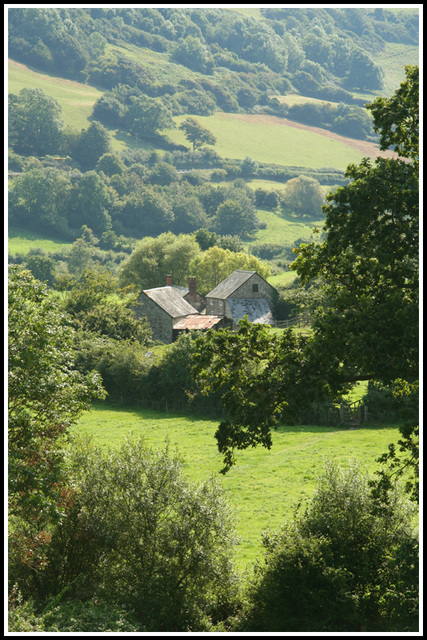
163,544
348,563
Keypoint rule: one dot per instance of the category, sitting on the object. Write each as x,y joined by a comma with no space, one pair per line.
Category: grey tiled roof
257,310
170,299
230,284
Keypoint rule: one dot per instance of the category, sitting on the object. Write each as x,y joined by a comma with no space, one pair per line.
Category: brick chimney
192,288
168,280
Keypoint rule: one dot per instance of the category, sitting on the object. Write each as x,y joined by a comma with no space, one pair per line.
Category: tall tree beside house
155,258
215,264
367,328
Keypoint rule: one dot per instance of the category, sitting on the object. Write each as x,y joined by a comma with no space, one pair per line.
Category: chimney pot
168,280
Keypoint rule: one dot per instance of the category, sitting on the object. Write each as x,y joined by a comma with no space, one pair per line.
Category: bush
123,365
163,544
348,563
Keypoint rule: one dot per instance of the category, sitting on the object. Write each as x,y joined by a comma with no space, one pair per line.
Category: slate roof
230,284
257,310
170,300
197,322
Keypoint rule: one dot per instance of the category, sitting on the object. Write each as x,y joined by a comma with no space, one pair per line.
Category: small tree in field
304,195
196,134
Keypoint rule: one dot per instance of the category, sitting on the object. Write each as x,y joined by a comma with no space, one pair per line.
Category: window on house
254,288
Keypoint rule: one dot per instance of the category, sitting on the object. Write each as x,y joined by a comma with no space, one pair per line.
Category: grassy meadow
269,139
265,486
76,99
21,241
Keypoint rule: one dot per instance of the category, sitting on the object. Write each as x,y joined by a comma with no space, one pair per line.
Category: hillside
281,90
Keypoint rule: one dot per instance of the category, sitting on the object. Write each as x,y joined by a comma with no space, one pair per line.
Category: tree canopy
367,326
46,395
196,133
154,258
35,124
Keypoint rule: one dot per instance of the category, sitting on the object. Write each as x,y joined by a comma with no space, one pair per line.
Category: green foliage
41,266
196,134
34,122
304,195
46,394
146,116
123,365
397,118
170,382
214,265
68,617
110,164
92,309
160,545
93,143
154,258
192,53
261,379
232,219
346,564
39,198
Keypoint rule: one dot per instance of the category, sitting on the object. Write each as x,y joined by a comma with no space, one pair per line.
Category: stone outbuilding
243,293
172,310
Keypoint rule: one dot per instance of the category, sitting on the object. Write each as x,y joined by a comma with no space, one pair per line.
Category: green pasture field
269,139
393,59
76,99
284,230
282,279
21,241
265,486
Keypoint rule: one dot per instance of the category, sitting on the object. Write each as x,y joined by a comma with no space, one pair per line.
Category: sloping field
76,99
279,141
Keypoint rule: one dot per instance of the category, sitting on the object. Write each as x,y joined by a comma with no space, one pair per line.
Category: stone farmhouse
172,309
243,293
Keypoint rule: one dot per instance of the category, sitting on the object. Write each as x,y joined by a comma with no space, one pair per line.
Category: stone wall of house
255,287
197,301
215,307
159,321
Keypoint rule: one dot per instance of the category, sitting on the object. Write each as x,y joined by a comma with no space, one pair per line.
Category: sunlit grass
265,486
21,241
268,139
76,99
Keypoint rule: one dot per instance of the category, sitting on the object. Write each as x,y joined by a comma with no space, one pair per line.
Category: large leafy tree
93,143
367,326
34,122
46,395
154,258
215,264
145,538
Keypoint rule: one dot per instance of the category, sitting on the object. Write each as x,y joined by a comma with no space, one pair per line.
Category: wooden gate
353,414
